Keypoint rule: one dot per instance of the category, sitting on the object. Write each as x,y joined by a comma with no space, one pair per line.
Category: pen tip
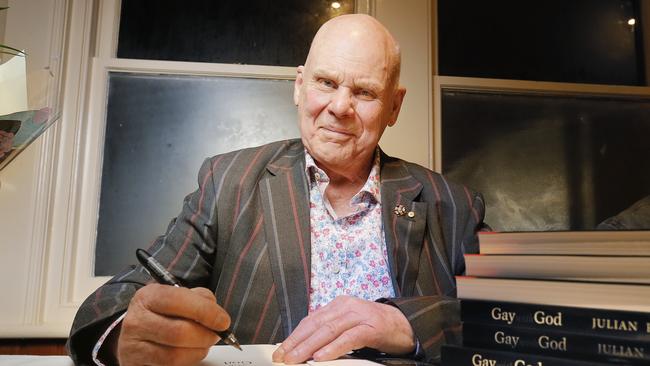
229,338
233,341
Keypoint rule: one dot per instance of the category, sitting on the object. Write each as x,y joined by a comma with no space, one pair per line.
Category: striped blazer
245,233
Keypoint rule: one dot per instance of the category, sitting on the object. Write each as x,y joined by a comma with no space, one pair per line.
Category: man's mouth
337,132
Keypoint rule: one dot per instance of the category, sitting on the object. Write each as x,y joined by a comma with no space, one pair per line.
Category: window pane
159,128
547,162
262,32
581,41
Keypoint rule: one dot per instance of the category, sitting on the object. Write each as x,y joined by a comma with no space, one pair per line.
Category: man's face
345,98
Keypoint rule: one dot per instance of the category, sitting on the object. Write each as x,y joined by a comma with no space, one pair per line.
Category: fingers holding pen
198,304
208,312
169,320
166,330
179,323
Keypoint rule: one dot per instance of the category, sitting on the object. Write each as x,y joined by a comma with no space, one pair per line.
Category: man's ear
398,98
298,84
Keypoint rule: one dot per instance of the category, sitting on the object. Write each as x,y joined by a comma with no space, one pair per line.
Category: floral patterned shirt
348,254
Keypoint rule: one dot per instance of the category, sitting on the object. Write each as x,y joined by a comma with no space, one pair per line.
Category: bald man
324,243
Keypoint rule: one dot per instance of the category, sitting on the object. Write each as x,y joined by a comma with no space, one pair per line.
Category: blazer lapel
285,200
404,229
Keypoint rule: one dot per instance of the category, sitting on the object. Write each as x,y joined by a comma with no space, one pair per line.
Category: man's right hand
167,325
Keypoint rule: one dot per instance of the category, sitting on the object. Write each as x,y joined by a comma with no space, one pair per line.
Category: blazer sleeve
187,250
436,319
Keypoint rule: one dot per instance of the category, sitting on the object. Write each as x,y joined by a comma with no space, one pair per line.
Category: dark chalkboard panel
159,128
544,161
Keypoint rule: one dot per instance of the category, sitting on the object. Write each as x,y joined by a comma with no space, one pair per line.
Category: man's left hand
347,324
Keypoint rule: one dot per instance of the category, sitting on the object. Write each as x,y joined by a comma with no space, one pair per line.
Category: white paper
261,355
252,355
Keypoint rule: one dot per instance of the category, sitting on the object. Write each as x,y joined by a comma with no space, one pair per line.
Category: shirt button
336,268
317,176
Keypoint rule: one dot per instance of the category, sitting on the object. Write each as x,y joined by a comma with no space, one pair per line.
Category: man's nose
342,103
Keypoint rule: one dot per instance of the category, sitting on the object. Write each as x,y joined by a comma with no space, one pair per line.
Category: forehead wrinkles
346,58
365,56
357,75
355,35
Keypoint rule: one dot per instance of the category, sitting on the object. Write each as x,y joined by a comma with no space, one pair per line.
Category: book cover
470,356
592,295
613,243
8,130
617,269
26,127
556,343
9,126
626,324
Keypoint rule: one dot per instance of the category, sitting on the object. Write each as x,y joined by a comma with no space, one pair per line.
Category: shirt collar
316,175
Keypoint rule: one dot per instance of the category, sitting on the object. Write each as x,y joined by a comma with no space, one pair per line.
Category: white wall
3,20
24,195
411,137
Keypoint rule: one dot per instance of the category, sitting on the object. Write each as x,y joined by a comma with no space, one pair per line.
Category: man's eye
366,93
327,83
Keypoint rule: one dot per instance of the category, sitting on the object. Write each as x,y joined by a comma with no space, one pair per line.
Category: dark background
576,41
545,161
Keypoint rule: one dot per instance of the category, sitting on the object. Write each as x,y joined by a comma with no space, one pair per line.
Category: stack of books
555,299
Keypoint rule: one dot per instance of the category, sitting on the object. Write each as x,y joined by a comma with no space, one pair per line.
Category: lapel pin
399,210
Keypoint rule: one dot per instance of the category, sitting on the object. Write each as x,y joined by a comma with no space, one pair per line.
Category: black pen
160,274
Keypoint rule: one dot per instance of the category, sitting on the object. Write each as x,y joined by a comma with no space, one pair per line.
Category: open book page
260,355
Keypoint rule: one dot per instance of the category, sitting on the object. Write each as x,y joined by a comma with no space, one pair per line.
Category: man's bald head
347,93
363,31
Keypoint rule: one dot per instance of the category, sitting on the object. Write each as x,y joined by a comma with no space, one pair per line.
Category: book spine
559,344
469,356
627,324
